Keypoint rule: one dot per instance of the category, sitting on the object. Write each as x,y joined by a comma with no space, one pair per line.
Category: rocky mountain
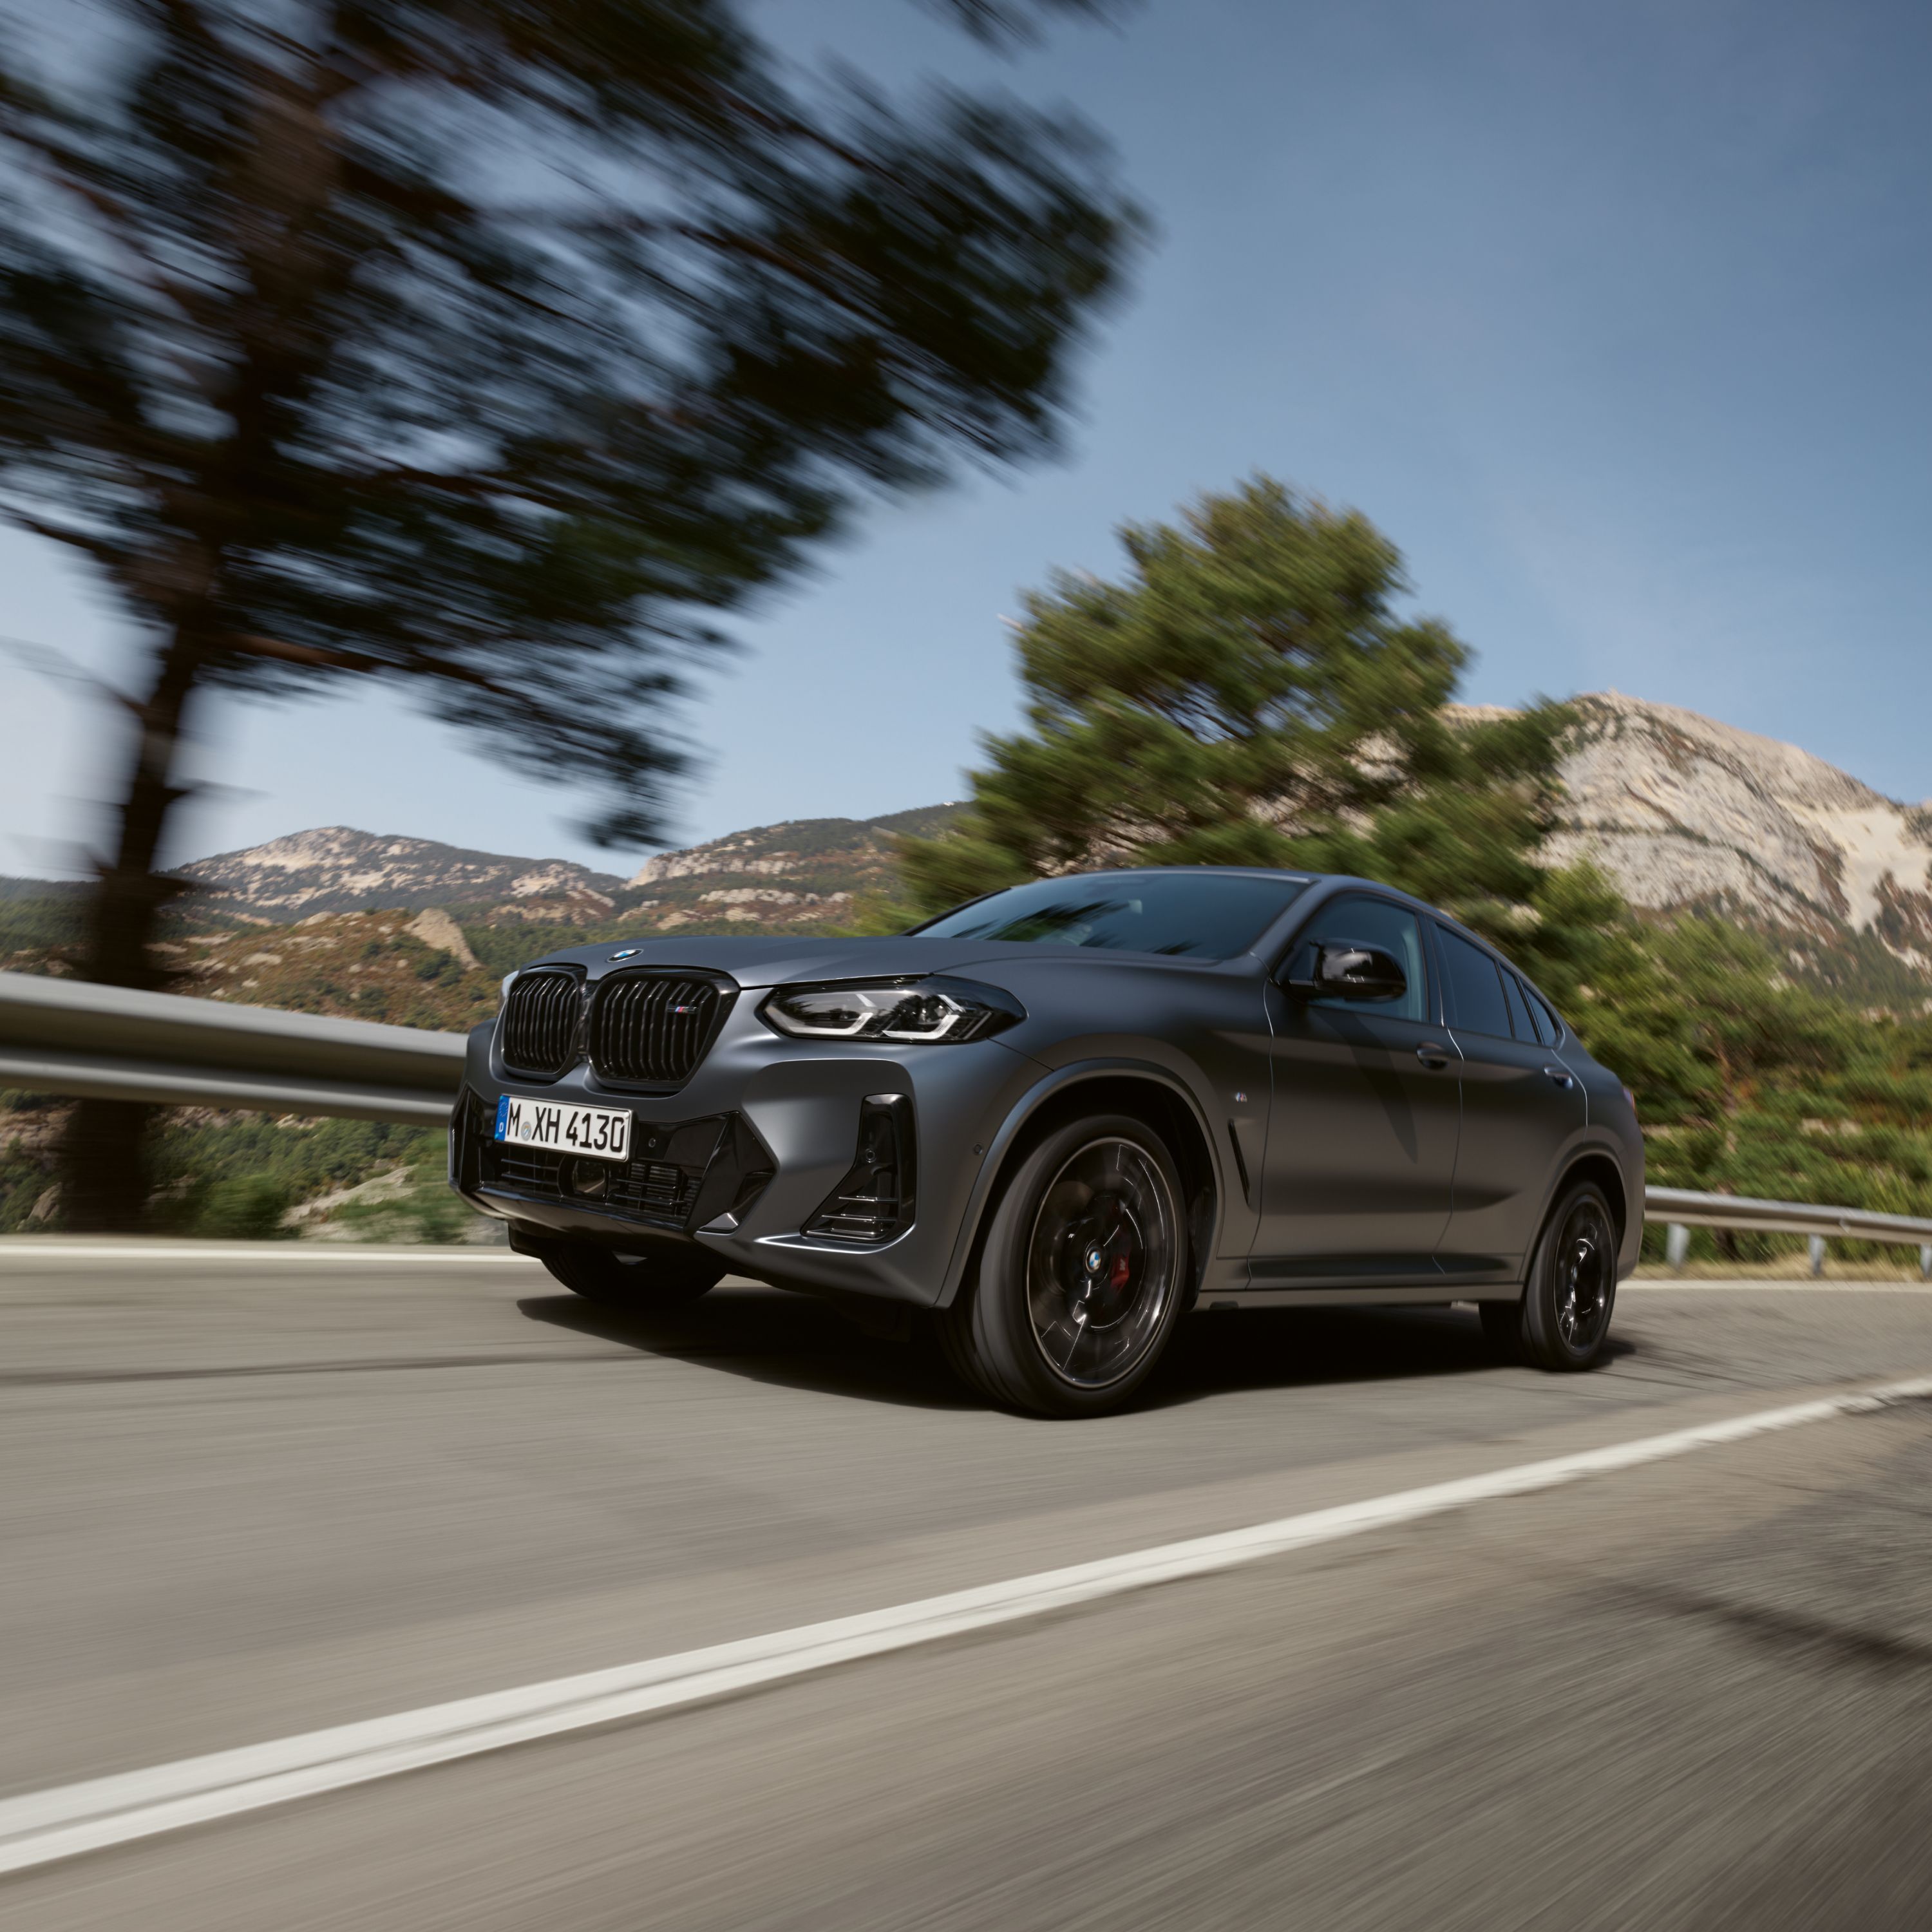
804,874
335,868
1684,811
799,873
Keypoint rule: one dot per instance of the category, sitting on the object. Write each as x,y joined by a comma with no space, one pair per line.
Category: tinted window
1203,915
1520,1023
1370,922
1472,988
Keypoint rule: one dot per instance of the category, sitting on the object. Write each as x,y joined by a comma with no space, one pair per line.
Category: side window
1371,922
1550,1028
1472,989
1521,1024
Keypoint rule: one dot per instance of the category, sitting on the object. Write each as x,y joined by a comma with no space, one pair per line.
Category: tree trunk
106,1156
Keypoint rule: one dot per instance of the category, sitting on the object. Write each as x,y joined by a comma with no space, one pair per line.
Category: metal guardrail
64,1036
1680,1211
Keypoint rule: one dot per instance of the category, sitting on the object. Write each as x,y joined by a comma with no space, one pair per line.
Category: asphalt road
247,1498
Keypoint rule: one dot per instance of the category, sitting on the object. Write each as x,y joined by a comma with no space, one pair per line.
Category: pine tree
1248,693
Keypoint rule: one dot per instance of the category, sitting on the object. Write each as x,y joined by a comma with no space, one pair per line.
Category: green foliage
1750,1083
47,921
235,1176
427,1211
26,1162
874,916
308,1156
247,1208
502,949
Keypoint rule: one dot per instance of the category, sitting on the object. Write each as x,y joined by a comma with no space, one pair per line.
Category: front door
1522,1110
1363,1118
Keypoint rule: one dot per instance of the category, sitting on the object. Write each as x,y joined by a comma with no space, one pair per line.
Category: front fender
999,1148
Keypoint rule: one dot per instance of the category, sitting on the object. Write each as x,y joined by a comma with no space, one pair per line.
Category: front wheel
643,1282
1564,1319
1082,1276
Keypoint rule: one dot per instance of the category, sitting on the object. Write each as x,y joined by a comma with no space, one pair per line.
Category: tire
1066,1316
1564,1319
641,1282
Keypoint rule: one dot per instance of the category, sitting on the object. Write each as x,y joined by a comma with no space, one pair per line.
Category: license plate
602,1132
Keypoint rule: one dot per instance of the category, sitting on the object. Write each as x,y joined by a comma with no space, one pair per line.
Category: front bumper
742,1158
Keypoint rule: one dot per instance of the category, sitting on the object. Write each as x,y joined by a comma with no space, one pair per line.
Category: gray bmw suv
1064,1115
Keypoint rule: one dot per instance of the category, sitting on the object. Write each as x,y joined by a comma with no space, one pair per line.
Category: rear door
1362,1118
1522,1108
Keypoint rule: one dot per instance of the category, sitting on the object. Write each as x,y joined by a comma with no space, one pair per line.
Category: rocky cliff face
1683,811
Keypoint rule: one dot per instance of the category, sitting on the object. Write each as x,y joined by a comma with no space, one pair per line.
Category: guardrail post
1925,1264
1817,1254
1676,1244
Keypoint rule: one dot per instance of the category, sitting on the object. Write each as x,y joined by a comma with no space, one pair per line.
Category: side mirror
1346,969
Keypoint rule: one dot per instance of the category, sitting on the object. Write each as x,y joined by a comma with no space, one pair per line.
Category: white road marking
42,1826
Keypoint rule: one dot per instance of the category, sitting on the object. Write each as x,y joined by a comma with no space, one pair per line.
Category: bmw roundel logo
628,952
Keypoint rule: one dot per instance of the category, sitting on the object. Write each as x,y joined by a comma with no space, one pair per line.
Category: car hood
785,960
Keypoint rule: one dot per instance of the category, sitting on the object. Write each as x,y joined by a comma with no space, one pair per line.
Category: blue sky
1615,318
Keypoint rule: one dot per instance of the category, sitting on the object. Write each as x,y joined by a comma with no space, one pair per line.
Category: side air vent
537,1034
875,1200
651,1029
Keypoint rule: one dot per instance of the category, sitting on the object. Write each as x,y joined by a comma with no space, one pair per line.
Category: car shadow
793,1341
766,1335
1288,1347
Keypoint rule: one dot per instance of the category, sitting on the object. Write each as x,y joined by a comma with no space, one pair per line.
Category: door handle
1432,1055
1562,1076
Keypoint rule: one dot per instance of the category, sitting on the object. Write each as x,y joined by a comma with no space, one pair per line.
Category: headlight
938,1009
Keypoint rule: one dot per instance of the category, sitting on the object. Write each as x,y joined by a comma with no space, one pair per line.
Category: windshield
1203,915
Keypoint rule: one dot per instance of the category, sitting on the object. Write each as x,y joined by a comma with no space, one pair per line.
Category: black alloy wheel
643,1282
1563,1318
1083,1273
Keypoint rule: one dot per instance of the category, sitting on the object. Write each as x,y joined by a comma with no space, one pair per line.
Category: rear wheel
642,1281
1082,1275
1563,1320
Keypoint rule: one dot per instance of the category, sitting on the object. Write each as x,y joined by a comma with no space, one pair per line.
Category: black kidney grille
651,1026
539,1027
